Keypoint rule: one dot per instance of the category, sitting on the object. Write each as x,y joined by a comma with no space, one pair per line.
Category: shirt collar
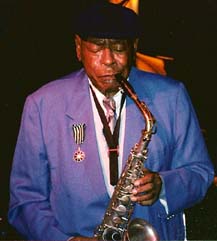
117,97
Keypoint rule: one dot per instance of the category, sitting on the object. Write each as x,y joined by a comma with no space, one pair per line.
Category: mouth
107,84
108,78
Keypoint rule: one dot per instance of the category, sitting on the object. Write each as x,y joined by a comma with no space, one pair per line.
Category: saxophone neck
129,90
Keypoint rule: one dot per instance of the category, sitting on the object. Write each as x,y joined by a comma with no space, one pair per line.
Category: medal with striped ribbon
79,136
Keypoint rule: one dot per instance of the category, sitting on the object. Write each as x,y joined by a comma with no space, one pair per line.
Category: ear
135,45
78,46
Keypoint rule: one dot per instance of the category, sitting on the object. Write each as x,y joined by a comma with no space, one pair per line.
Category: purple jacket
54,197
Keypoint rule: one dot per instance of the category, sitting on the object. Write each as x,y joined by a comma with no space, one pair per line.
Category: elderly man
68,157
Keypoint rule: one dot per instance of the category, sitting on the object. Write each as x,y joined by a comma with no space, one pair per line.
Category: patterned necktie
110,106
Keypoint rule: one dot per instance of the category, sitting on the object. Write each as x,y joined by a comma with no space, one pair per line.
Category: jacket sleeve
29,210
191,172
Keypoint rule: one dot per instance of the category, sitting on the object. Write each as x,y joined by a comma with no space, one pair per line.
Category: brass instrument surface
116,221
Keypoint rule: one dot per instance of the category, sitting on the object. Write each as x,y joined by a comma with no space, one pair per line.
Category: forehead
102,41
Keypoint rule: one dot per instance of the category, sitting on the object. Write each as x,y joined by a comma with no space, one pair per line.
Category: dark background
36,46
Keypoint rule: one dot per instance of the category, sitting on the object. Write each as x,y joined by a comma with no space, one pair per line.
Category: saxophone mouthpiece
127,87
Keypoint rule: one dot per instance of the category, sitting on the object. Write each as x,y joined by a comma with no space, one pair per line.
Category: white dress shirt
101,141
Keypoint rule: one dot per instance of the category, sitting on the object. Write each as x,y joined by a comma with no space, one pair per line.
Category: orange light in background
151,64
132,4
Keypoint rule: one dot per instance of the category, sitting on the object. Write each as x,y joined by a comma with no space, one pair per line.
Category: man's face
102,59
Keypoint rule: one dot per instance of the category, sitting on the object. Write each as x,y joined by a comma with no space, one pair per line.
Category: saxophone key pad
120,209
116,220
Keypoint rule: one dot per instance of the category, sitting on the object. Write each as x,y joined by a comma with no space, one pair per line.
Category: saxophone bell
140,230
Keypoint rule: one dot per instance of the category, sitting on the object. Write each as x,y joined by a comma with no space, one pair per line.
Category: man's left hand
147,189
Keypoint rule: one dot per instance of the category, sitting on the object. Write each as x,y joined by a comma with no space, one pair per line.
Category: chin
112,90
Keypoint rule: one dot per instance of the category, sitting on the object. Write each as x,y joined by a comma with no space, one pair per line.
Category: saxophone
116,224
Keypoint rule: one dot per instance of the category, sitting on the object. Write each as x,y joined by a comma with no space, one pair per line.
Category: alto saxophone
116,224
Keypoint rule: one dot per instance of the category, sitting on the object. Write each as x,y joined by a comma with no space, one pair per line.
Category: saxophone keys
124,199
120,209
129,188
117,220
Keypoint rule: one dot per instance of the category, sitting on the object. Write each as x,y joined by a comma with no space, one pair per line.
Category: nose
108,57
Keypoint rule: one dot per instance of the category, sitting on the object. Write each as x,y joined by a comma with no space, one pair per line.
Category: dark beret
107,20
